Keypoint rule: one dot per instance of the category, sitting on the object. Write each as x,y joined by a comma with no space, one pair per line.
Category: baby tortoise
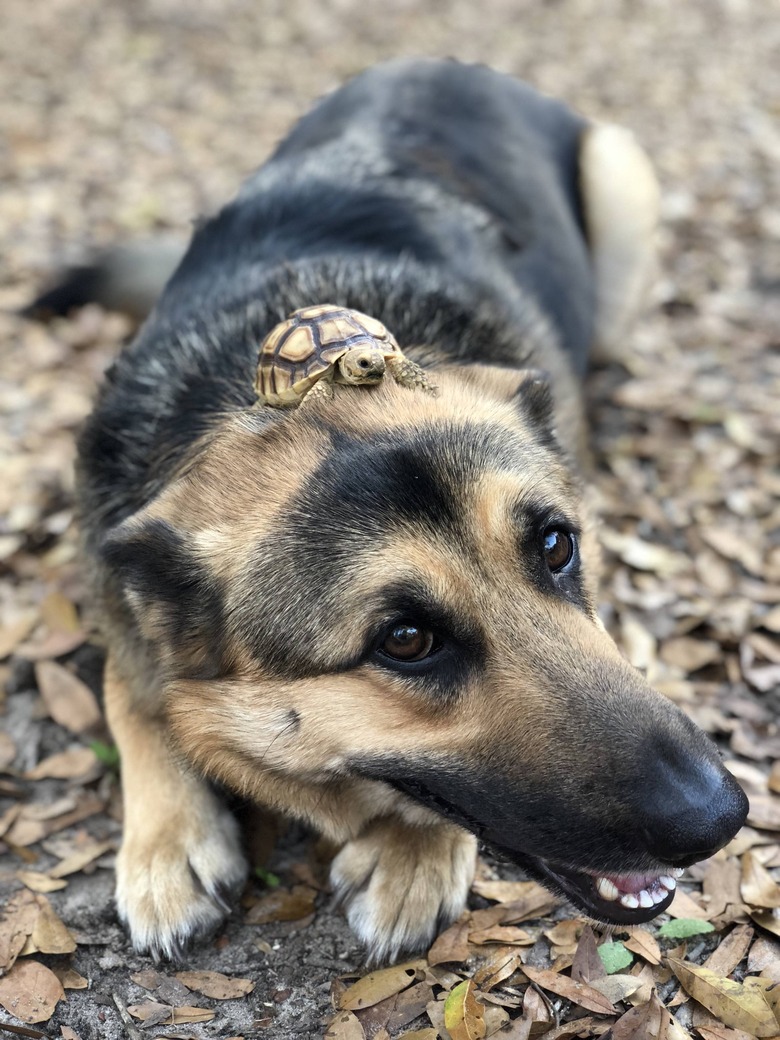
317,346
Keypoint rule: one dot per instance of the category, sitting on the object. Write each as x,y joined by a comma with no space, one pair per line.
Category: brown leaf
650,1021
148,979
617,987
578,992
451,946
49,934
69,701
213,984
690,654
725,957
587,965
731,1002
16,925
65,765
764,812
70,978
283,904
344,1026
684,906
767,919
511,891
69,1034
83,857
163,1014
764,956
507,935
464,1016
379,985
30,992
758,887
40,882
499,965
429,1033
564,935
13,634
59,614
643,943
33,823
396,1011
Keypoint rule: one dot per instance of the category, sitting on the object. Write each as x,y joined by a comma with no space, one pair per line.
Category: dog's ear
533,396
175,599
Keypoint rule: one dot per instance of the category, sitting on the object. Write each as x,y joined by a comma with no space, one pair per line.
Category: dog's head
398,591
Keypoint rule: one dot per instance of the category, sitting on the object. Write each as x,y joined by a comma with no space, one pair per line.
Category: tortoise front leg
321,392
410,375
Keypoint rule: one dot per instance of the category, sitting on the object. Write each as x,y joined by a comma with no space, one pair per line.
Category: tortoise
302,357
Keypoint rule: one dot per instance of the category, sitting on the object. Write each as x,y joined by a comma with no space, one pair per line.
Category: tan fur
286,744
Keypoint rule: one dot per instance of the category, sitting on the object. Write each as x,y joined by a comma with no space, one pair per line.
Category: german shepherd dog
377,613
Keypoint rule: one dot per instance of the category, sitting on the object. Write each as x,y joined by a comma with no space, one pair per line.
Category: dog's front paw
402,883
174,885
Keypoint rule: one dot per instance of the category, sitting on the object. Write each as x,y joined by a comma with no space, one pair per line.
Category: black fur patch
155,564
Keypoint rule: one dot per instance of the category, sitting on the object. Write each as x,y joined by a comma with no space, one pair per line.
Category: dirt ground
119,119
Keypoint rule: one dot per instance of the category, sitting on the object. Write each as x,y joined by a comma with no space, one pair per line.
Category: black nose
691,809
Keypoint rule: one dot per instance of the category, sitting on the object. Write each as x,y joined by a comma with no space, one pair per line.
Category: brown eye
558,549
407,642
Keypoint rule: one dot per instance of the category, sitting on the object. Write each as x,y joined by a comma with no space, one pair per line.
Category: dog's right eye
407,641
558,549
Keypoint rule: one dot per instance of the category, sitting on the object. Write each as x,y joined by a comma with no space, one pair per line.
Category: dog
378,613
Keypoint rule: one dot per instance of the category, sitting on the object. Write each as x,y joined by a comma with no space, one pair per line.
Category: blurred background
120,119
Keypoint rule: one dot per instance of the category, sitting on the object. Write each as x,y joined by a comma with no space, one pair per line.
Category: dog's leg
620,198
181,854
403,881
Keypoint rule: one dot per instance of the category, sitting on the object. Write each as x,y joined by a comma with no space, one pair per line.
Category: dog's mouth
612,898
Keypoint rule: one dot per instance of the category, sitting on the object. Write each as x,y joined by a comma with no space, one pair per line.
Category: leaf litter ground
135,119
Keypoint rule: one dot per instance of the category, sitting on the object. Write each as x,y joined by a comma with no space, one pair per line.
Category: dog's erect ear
534,397
175,599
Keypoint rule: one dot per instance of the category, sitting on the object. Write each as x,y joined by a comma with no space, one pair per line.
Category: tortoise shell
308,346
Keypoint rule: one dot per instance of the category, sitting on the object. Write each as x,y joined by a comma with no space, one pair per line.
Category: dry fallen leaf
758,887
213,984
578,992
283,905
764,957
379,985
69,701
505,934
733,1003
452,946
38,882
7,751
643,943
16,924
65,765
725,957
464,1016
49,934
164,1014
81,858
499,965
344,1026
30,991
70,978
587,964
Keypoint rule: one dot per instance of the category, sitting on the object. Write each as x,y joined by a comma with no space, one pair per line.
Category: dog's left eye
407,642
558,549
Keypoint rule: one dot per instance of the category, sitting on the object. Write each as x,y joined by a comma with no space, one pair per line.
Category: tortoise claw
410,375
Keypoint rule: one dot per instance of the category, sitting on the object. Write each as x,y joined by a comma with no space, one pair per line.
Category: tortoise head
361,365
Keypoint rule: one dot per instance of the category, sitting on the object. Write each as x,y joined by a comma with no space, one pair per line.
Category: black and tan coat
378,614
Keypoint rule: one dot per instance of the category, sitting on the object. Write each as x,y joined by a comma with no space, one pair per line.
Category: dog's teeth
668,882
659,895
645,899
606,889
629,900
677,872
